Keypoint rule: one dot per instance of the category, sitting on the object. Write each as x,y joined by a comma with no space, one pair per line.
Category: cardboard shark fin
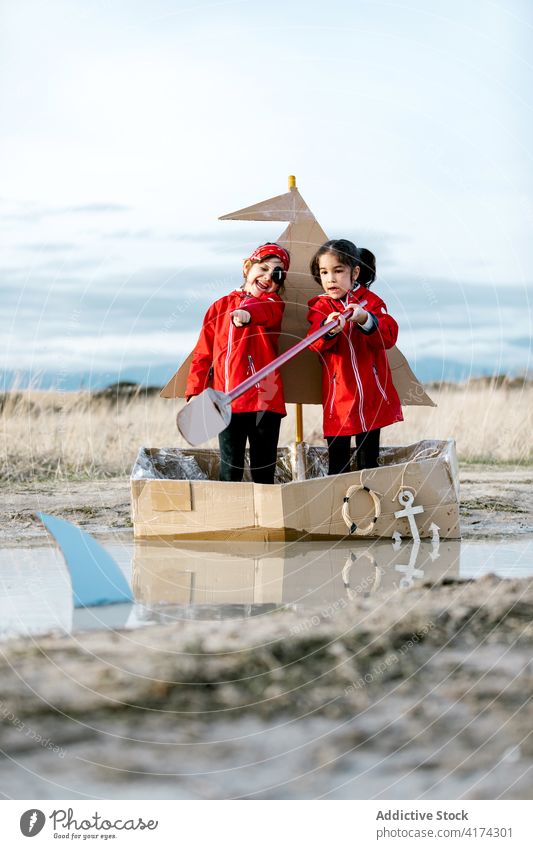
96,578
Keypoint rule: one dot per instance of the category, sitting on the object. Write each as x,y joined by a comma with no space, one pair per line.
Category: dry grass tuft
489,424
48,435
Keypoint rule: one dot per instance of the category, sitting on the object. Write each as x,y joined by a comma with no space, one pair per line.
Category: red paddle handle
285,357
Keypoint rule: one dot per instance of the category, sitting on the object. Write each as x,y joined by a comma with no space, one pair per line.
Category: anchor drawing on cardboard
176,492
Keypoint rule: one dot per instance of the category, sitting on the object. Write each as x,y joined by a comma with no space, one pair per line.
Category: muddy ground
422,694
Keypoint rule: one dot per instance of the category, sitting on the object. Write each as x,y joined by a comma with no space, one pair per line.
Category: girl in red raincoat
358,394
239,336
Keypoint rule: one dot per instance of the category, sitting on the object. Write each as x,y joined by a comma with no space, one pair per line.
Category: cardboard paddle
208,414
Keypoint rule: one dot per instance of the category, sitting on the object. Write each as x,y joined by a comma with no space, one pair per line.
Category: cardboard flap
170,495
175,388
279,208
408,387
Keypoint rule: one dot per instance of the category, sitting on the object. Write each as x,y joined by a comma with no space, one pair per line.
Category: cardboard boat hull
168,508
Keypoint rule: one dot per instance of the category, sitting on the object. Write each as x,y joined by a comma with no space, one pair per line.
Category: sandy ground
426,694
423,694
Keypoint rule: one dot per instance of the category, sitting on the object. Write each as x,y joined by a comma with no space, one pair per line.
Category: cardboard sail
302,376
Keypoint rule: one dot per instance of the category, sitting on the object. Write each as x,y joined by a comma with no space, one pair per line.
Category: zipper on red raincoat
376,378
252,368
333,395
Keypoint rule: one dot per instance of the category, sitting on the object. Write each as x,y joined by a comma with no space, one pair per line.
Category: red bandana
271,250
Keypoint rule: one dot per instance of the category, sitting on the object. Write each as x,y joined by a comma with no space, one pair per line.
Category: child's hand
240,317
342,321
359,315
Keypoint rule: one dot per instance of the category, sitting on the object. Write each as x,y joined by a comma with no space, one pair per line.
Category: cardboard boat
176,495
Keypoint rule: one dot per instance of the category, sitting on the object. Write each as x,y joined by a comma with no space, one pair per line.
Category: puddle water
176,581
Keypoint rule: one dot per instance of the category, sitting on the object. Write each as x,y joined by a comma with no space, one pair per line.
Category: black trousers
367,445
262,432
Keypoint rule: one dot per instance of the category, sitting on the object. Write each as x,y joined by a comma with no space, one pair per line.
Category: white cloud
96,352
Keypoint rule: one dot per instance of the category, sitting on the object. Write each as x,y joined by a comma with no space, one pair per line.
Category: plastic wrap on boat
166,464
195,464
316,456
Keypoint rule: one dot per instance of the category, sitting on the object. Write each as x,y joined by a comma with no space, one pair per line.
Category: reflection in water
245,578
217,580
409,571
36,593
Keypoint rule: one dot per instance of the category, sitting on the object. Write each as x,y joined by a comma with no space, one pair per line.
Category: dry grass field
59,435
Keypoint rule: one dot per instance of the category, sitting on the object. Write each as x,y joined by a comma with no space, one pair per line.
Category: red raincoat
358,394
226,355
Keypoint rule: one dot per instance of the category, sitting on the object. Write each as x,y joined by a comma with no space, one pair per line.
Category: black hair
367,274
348,254
345,251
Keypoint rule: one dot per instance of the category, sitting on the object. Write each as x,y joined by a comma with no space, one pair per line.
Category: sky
128,128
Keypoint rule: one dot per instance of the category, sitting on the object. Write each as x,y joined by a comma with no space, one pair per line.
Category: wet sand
425,693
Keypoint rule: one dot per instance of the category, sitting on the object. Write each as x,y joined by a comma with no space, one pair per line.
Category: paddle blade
204,417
